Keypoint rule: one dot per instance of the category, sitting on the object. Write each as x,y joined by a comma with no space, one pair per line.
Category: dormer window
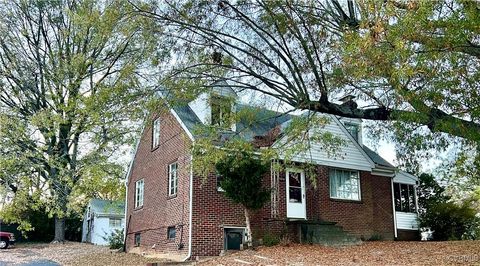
221,112
352,129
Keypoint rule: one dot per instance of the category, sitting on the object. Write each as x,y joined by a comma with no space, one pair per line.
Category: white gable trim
344,130
405,178
190,135
134,154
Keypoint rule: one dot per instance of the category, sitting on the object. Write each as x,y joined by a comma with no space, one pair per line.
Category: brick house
170,210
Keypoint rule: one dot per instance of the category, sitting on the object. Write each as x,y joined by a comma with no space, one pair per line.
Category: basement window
171,232
137,239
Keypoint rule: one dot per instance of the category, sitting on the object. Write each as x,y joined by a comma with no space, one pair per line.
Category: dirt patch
368,253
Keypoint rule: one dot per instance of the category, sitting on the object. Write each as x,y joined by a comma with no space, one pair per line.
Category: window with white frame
156,133
344,184
172,179
139,193
404,195
115,222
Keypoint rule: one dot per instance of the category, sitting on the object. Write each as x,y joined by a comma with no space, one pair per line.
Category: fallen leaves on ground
70,253
367,253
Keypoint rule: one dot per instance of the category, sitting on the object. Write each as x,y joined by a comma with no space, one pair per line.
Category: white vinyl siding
407,220
156,133
344,184
139,188
172,179
349,156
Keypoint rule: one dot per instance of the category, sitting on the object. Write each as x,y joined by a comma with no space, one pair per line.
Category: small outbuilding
101,218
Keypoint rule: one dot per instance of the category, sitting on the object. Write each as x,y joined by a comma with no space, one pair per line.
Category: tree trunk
249,229
59,230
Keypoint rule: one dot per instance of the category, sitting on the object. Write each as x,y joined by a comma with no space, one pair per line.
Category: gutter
190,213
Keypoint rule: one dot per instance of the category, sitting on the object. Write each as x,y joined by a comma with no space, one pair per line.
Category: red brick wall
372,215
212,211
160,211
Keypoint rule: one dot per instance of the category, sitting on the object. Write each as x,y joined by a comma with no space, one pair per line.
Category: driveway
24,257
69,253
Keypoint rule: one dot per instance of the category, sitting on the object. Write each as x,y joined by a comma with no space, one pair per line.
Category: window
156,133
221,111
404,196
139,193
137,239
115,222
344,184
352,129
219,182
171,232
172,179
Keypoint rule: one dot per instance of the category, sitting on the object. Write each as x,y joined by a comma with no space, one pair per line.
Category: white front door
295,181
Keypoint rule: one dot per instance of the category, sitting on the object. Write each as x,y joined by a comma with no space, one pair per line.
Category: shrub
450,221
270,239
115,239
375,237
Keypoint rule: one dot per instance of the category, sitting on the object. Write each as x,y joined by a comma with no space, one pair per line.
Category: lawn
368,253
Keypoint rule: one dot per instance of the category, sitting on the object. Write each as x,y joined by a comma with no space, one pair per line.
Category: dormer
216,107
353,125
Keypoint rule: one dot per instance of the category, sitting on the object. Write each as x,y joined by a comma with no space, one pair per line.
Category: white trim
190,213
244,237
359,184
189,134
137,186
156,125
302,188
172,178
127,178
393,210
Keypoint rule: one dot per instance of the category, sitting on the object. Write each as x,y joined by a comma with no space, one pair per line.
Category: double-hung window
344,184
156,133
115,222
172,179
139,193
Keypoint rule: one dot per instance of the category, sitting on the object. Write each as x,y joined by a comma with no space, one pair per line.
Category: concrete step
326,234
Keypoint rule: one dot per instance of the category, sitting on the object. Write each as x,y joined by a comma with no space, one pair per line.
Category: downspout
393,209
190,213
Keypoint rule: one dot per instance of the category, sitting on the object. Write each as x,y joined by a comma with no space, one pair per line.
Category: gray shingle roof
260,121
107,206
376,158
263,121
